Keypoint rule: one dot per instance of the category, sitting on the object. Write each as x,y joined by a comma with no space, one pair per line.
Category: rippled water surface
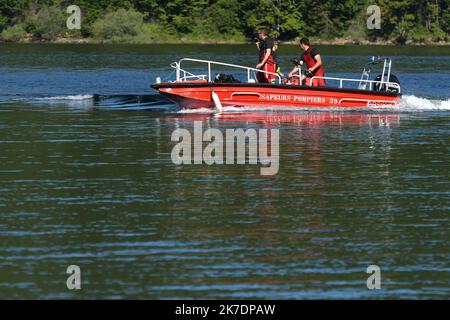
88,182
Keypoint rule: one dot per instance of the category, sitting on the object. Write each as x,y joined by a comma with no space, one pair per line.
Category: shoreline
334,42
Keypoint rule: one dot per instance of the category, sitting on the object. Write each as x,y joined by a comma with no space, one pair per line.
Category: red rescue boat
193,91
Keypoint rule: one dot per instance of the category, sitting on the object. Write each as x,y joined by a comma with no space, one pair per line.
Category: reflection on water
98,189
294,118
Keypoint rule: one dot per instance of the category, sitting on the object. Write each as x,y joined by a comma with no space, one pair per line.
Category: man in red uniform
266,57
313,61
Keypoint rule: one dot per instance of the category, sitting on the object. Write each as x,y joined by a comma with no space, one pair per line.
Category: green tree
120,25
402,20
224,16
47,24
10,10
14,34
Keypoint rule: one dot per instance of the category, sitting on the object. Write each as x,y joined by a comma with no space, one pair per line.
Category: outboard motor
382,87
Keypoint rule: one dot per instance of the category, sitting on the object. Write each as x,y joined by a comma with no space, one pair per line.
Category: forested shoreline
225,21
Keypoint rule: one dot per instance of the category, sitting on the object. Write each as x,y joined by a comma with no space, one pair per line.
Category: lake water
91,183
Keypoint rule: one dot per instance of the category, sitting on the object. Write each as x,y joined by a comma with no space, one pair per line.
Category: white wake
409,103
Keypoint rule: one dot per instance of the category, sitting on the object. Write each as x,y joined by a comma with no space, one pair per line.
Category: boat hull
199,95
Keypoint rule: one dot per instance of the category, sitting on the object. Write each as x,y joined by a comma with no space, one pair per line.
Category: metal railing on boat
188,75
183,75
371,82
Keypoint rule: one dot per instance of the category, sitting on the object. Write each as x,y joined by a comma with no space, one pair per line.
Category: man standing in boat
267,61
313,61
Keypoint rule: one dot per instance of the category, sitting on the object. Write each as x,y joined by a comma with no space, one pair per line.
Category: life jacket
269,66
310,62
